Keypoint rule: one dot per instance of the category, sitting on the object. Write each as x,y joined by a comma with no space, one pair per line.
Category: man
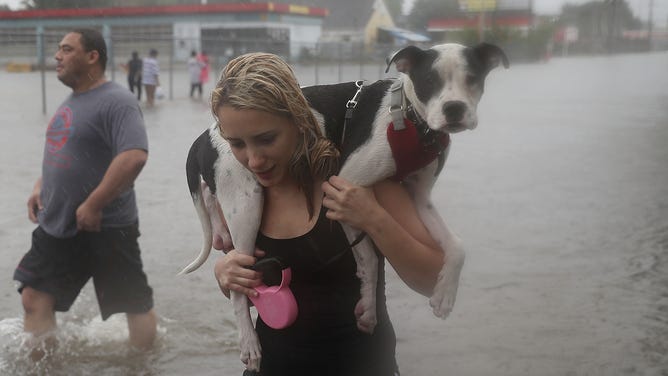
195,67
84,202
151,76
134,67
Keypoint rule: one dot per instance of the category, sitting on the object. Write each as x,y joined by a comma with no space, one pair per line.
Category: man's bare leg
39,318
143,329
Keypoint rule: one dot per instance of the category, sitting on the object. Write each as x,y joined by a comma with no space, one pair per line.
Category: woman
203,59
263,115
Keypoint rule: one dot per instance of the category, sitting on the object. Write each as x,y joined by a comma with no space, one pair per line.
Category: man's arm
120,175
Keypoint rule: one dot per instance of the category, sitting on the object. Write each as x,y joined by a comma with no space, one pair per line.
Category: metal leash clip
350,106
353,102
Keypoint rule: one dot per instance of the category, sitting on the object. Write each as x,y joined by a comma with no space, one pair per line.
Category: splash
82,346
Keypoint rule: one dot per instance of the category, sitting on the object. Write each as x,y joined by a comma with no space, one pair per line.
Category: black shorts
61,268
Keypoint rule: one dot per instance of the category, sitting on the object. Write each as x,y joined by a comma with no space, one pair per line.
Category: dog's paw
442,304
251,353
443,299
365,312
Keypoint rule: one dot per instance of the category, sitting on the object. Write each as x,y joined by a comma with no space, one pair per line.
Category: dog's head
445,83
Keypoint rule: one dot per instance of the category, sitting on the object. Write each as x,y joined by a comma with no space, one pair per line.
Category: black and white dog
436,95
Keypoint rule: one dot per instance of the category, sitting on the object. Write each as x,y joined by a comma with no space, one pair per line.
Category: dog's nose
454,111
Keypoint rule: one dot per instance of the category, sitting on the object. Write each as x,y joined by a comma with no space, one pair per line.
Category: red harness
412,148
410,151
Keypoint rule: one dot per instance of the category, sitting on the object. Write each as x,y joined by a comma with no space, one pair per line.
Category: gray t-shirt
86,133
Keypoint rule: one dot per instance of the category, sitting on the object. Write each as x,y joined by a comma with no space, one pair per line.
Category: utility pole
481,25
650,26
612,25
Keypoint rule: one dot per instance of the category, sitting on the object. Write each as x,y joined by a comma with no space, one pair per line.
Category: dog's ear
404,59
490,55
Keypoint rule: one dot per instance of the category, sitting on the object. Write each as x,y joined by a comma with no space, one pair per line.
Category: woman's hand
232,273
349,203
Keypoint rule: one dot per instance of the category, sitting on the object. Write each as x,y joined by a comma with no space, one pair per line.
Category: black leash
346,249
350,107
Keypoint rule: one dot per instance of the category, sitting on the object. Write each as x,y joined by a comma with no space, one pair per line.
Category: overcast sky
639,7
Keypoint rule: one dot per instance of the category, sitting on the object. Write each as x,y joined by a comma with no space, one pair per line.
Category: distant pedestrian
151,76
195,67
204,75
134,68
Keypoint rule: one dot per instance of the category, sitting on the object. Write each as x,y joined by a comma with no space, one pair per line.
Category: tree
596,18
425,10
600,25
394,7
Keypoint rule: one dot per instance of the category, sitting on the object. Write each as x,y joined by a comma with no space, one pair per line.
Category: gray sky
639,7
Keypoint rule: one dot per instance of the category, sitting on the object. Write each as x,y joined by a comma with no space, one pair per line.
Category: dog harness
414,145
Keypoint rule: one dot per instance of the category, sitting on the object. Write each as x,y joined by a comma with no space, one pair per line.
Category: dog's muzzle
454,111
455,114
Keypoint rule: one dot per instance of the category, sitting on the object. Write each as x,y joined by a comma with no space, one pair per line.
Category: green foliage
394,7
425,10
595,18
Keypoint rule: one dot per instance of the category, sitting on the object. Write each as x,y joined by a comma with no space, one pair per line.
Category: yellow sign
477,5
298,9
18,67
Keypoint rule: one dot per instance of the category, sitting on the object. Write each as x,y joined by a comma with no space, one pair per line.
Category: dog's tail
199,192
205,221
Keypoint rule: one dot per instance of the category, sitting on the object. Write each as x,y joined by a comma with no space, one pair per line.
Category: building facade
223,30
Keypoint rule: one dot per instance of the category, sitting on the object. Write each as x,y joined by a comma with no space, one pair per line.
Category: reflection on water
561,196
650,275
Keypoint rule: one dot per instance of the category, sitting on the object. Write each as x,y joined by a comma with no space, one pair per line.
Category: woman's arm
388,215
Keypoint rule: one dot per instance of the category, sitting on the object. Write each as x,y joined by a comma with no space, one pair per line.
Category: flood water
560,195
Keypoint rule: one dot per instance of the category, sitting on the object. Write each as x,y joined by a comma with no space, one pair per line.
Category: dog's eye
471,79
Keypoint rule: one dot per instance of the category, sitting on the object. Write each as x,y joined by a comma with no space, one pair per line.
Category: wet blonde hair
265,82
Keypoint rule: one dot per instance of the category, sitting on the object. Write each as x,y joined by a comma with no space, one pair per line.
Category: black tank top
324,339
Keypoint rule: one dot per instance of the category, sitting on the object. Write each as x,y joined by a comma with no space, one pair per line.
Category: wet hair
265,82
92,40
